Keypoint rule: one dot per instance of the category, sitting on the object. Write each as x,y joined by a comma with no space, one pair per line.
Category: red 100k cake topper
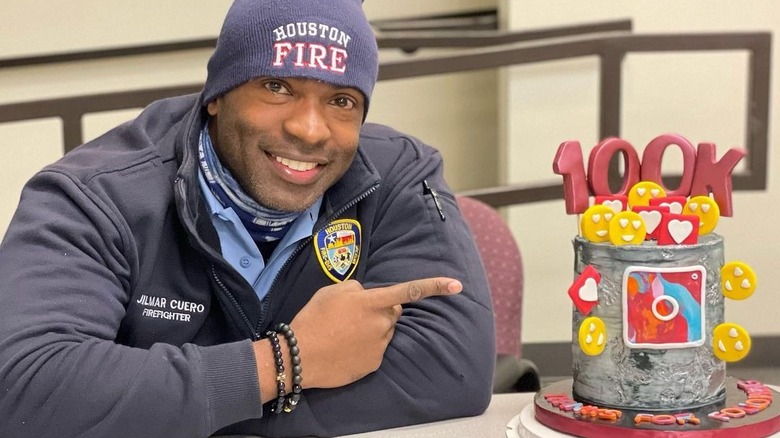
702,174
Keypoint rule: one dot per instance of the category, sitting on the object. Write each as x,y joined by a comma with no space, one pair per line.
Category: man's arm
344,331
439,363
67,264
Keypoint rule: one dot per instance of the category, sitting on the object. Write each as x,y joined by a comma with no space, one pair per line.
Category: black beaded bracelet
292,399
280,376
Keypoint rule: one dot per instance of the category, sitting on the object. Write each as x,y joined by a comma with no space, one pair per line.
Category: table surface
493,423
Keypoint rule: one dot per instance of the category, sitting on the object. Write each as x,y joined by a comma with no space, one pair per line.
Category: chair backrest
504,267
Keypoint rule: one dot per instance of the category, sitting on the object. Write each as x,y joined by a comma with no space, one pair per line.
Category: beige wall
700,96
450,112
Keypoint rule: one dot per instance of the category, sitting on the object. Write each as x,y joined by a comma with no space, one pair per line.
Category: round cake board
760,425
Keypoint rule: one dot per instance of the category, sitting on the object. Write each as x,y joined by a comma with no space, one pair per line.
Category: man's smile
300,166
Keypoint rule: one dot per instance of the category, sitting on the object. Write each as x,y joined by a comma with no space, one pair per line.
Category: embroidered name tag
338,248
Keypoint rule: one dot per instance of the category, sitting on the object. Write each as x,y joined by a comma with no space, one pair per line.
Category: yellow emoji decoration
593,336
594,223
642,192
737,280
627,228
707,210
730,342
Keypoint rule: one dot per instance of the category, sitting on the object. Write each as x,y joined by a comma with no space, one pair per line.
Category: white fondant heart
641,191
674,207
652,219
693,206
636,224
728,286
733,333
738,346
615,205
654,193
607,217
679,230
738,272
596,218
705,207
589,291
745,284
588,339
592,327
623,223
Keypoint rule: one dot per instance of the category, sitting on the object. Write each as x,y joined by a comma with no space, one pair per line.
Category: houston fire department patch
338,248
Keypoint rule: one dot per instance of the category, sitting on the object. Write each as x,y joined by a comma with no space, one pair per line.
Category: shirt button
245,262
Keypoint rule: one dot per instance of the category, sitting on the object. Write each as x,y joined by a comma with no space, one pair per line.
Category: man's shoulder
378,132
381,141
148,139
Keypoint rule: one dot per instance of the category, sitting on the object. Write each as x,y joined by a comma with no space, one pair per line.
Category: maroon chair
504,268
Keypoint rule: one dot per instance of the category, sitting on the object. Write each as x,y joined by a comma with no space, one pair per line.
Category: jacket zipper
255,335
267,300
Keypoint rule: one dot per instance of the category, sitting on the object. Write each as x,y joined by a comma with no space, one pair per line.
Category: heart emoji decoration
678,229
675,204
617,203
627,228
594,223
652,216
738,280
584,291
643,192
706,209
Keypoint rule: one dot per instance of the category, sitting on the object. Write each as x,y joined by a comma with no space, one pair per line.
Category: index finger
415,290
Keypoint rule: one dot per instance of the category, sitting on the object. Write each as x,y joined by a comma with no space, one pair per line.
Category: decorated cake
649,338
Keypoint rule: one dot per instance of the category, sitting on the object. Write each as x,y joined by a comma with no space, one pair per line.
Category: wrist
267,371
292,398
279,369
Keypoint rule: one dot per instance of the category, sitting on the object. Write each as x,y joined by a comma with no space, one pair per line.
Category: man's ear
212,107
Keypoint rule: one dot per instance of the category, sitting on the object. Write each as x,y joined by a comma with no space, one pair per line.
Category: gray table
503,410
493,423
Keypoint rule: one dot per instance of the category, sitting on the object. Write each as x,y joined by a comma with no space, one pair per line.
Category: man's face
286,141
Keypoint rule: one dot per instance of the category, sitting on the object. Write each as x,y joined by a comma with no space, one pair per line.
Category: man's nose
308,122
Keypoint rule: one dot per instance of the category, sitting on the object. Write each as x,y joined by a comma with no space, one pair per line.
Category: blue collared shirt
241,251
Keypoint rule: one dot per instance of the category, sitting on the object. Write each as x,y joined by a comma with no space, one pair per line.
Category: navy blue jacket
119,316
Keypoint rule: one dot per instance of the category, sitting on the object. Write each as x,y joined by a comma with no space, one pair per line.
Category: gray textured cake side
624,377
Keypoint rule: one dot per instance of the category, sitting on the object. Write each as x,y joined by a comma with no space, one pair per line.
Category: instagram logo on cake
664,307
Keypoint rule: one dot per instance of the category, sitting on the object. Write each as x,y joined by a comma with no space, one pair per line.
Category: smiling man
254,259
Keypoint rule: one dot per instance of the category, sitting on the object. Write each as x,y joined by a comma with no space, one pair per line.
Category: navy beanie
328,40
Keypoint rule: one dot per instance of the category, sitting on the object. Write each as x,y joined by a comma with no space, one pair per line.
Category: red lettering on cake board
761,399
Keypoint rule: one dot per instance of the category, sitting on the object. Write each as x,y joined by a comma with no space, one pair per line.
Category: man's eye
344,102
276,87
